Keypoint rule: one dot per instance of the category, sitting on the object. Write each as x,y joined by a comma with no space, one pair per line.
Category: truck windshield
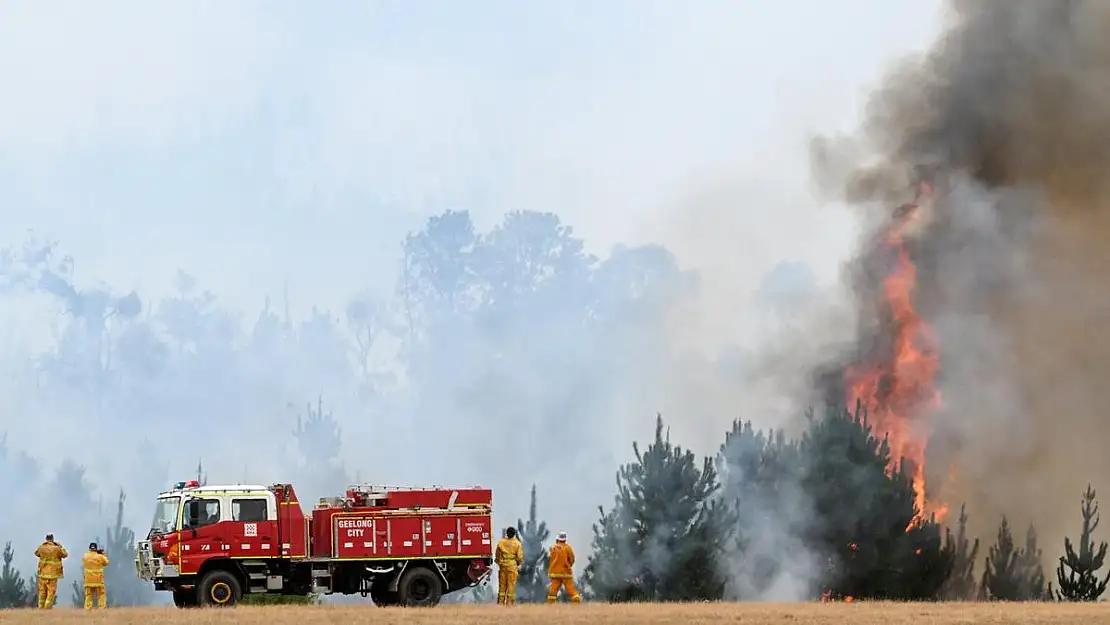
165,515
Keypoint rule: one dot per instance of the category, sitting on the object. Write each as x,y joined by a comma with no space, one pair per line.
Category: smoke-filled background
1010,110
218,242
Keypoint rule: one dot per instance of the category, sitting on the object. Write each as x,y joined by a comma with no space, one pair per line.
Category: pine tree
319,441
862,507
661,539
609,574
532,584
582,583
759,481
1002,572
318,435
1082,583
925,562
33,591
124,588
14,592
1029,564
961,585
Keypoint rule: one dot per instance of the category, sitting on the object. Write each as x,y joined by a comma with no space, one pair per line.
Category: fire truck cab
210,545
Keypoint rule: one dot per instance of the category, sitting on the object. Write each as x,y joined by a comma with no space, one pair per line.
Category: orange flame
897,388
827,597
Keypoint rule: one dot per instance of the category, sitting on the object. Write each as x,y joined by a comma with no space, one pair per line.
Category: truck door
253,526
202,533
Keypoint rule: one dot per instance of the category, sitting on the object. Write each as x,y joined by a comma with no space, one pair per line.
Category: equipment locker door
441,536
406,537
476,535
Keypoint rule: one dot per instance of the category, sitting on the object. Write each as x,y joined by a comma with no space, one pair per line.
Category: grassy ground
598,614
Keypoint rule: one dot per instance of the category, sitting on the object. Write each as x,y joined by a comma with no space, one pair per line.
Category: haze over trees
516,326
517,330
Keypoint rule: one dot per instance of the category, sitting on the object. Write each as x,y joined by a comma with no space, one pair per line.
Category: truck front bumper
150,568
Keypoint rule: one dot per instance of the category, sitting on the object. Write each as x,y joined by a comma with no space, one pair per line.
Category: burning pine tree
895,379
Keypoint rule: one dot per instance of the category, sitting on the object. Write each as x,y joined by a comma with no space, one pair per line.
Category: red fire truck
210,545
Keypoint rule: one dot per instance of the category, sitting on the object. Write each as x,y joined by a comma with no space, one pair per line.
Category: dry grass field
597,614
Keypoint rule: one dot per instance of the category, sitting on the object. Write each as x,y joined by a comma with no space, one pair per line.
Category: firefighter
50,555
509,557
94,562
561,570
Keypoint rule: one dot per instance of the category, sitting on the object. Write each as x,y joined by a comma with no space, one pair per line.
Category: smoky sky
1010,106
278,158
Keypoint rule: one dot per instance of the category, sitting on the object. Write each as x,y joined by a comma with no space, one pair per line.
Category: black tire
419,588
185,598
381,596
219,589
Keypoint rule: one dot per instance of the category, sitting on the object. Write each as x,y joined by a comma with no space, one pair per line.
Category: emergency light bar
186,484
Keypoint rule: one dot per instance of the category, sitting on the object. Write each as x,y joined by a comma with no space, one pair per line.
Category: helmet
561,537
92,546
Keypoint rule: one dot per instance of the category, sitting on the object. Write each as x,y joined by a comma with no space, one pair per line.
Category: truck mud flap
397,577
441,568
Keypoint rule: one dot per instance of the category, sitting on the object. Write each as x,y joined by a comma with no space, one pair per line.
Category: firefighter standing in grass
94,562
561,570
50,555
509,557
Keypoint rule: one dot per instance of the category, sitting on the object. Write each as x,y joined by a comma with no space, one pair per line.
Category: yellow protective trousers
48,590
506,585
95,595
566,583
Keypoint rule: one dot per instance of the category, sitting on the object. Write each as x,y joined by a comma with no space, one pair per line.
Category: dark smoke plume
1011,110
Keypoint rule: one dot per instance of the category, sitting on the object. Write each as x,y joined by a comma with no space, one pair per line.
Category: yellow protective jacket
50,555
94,569
561,562
509,553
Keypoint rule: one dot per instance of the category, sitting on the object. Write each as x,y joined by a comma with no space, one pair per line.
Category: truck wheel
383,598
419,587
219,589
185,598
